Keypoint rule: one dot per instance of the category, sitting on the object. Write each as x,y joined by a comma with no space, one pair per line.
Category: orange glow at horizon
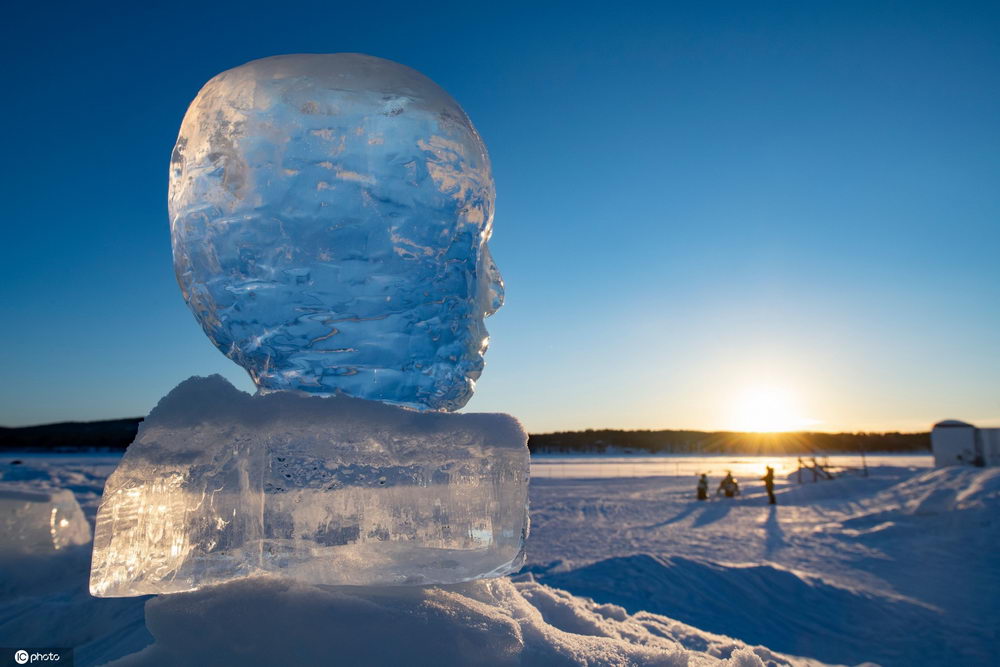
767,409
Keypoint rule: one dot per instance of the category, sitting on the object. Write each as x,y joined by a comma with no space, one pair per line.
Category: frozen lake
568,466
564,466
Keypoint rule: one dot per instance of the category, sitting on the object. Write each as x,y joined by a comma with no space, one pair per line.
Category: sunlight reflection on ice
571,466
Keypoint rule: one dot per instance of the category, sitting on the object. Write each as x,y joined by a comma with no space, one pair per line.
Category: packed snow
898,568
892,568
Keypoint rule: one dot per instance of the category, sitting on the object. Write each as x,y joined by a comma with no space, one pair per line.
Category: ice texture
221,485
40,522
330,216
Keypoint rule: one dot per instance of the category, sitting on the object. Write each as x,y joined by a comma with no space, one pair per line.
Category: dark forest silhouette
724,442
116,435
111,434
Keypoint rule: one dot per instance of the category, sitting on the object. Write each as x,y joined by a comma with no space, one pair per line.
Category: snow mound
847,487
762,604
894,568
44,602
271,621
947,489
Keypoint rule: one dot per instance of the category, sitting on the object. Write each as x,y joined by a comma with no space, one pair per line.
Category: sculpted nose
491,283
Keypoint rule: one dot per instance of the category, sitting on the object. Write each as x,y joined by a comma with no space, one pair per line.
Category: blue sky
693,201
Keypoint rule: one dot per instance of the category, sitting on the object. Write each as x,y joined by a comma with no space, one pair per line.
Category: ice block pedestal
34,522
220,485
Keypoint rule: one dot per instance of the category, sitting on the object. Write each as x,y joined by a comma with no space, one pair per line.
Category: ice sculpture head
330,217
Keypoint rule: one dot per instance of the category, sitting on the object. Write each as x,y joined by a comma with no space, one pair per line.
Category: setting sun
767,409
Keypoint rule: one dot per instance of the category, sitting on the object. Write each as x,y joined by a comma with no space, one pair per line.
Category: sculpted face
330,217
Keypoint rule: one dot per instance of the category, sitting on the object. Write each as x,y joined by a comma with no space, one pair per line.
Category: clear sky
698,205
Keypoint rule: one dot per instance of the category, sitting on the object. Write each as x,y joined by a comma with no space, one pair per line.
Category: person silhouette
728,486
769,485
703,487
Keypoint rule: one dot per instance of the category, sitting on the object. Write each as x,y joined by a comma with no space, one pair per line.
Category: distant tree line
117,434
108,435
724,442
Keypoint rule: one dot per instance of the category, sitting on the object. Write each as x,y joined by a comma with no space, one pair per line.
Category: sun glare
768,409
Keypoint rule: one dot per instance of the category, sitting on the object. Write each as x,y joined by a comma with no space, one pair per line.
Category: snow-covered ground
899,568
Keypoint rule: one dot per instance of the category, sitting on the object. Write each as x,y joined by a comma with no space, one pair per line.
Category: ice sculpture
329,490
330,217
40,522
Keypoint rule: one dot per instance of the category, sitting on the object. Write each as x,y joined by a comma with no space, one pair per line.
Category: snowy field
899,568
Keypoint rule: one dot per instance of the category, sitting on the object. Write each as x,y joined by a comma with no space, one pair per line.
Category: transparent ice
40,522
221,485
329,216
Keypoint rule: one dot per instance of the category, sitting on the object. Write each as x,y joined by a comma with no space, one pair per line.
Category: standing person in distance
769,485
